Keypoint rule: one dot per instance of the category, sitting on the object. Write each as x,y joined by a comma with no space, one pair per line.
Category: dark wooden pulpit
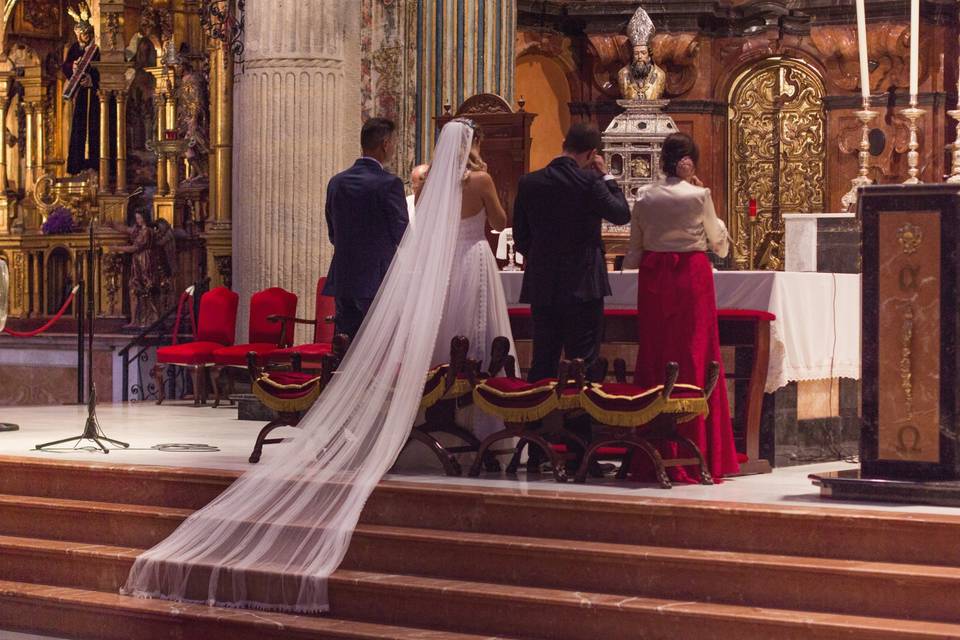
506,143
909,447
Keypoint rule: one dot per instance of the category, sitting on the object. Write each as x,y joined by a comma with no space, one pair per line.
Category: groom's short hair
374,132
582,137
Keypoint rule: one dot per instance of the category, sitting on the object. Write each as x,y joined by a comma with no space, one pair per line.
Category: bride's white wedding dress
476,308
272,539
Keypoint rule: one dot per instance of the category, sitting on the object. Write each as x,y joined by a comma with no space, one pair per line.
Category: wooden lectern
909,449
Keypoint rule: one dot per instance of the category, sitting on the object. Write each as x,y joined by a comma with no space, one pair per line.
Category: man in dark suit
557,219
366,217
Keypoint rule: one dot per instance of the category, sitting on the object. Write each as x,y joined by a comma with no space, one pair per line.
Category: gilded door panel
777,104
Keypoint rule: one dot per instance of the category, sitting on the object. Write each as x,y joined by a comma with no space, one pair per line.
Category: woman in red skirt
674,224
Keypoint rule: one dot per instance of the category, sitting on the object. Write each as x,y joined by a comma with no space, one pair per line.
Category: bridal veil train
273,538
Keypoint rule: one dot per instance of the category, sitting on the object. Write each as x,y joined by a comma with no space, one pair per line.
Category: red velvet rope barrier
186,295
50,323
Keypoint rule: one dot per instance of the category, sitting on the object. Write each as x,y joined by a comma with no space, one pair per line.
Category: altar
816,333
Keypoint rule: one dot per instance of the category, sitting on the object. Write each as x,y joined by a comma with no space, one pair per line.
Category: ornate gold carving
910,237
225,270
906,360
888,46
776,104
640,167
484,103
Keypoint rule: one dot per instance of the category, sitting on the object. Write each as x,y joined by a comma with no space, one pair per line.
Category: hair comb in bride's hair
467,121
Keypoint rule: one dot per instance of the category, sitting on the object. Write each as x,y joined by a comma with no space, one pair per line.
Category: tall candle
914,47
862,41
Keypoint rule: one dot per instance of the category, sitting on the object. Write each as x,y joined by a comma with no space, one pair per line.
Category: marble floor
228,442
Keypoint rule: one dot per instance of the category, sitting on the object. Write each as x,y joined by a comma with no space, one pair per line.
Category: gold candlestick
865,115
955,164
912,114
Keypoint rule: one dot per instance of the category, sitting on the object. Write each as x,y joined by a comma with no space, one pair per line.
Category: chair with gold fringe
534,413
290,393
450,387
634,418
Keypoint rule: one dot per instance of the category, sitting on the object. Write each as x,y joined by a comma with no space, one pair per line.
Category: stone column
296,122
465,49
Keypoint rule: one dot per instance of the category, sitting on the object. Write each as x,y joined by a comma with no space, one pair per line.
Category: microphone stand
91,430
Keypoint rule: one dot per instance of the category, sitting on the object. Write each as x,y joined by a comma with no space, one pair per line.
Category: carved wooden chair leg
705,477
262,439
158,372
591,451
489,441
557,460
196,374
450,464
215,381
657,460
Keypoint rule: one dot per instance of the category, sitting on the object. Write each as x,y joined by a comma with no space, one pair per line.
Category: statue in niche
84,150
144,270
165,242
193,118
141,117
641,79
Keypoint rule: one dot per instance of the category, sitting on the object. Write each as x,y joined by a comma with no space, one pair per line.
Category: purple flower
59,221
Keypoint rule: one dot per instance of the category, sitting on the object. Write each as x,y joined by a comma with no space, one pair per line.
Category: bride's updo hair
675,148
474,161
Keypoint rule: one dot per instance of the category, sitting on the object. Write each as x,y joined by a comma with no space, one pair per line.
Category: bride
272,539
476,306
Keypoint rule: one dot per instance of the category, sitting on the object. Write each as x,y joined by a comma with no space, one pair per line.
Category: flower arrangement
59,221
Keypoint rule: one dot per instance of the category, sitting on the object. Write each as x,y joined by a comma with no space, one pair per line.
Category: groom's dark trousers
557,219
366,213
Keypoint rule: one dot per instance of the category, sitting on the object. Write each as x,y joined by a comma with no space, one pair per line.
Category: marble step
469,607
617,518
104,482
87,522
788,582
785,582
92,615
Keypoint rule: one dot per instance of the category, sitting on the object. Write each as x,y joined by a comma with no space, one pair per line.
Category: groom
557,219
366,214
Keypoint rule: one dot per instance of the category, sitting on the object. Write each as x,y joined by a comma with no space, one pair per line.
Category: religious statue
144,271
641,79
193,119
83,83
165,244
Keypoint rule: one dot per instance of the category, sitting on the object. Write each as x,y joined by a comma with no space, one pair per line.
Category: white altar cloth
817,331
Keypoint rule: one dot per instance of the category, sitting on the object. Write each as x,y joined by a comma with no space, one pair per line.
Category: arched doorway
776,154
542,81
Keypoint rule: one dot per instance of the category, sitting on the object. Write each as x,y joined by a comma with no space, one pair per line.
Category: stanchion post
79,309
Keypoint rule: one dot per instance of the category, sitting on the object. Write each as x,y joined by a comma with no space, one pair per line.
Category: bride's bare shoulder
478,179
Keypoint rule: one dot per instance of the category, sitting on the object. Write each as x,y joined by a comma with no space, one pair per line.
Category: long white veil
273,538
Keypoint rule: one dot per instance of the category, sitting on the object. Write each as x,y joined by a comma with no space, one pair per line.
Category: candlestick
865,115
914,47
862,43
912,114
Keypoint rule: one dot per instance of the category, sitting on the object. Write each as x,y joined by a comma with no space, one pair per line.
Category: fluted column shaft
296,121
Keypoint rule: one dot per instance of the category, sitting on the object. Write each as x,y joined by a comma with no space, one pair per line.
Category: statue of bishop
641,79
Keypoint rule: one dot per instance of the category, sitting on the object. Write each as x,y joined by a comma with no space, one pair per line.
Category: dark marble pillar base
7,426
848,485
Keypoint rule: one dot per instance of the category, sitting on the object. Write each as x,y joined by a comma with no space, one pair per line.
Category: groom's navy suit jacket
366,216
557,219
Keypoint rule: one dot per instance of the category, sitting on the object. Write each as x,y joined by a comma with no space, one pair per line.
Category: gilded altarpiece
776,128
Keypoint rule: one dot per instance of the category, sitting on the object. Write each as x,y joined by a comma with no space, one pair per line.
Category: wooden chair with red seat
633,417
523,407
216,328
312,353
291,393
264,335
448,387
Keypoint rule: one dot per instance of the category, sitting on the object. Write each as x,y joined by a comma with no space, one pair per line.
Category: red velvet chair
216,328
265,334
311,354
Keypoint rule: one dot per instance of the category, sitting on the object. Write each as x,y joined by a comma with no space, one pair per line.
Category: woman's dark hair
675,148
